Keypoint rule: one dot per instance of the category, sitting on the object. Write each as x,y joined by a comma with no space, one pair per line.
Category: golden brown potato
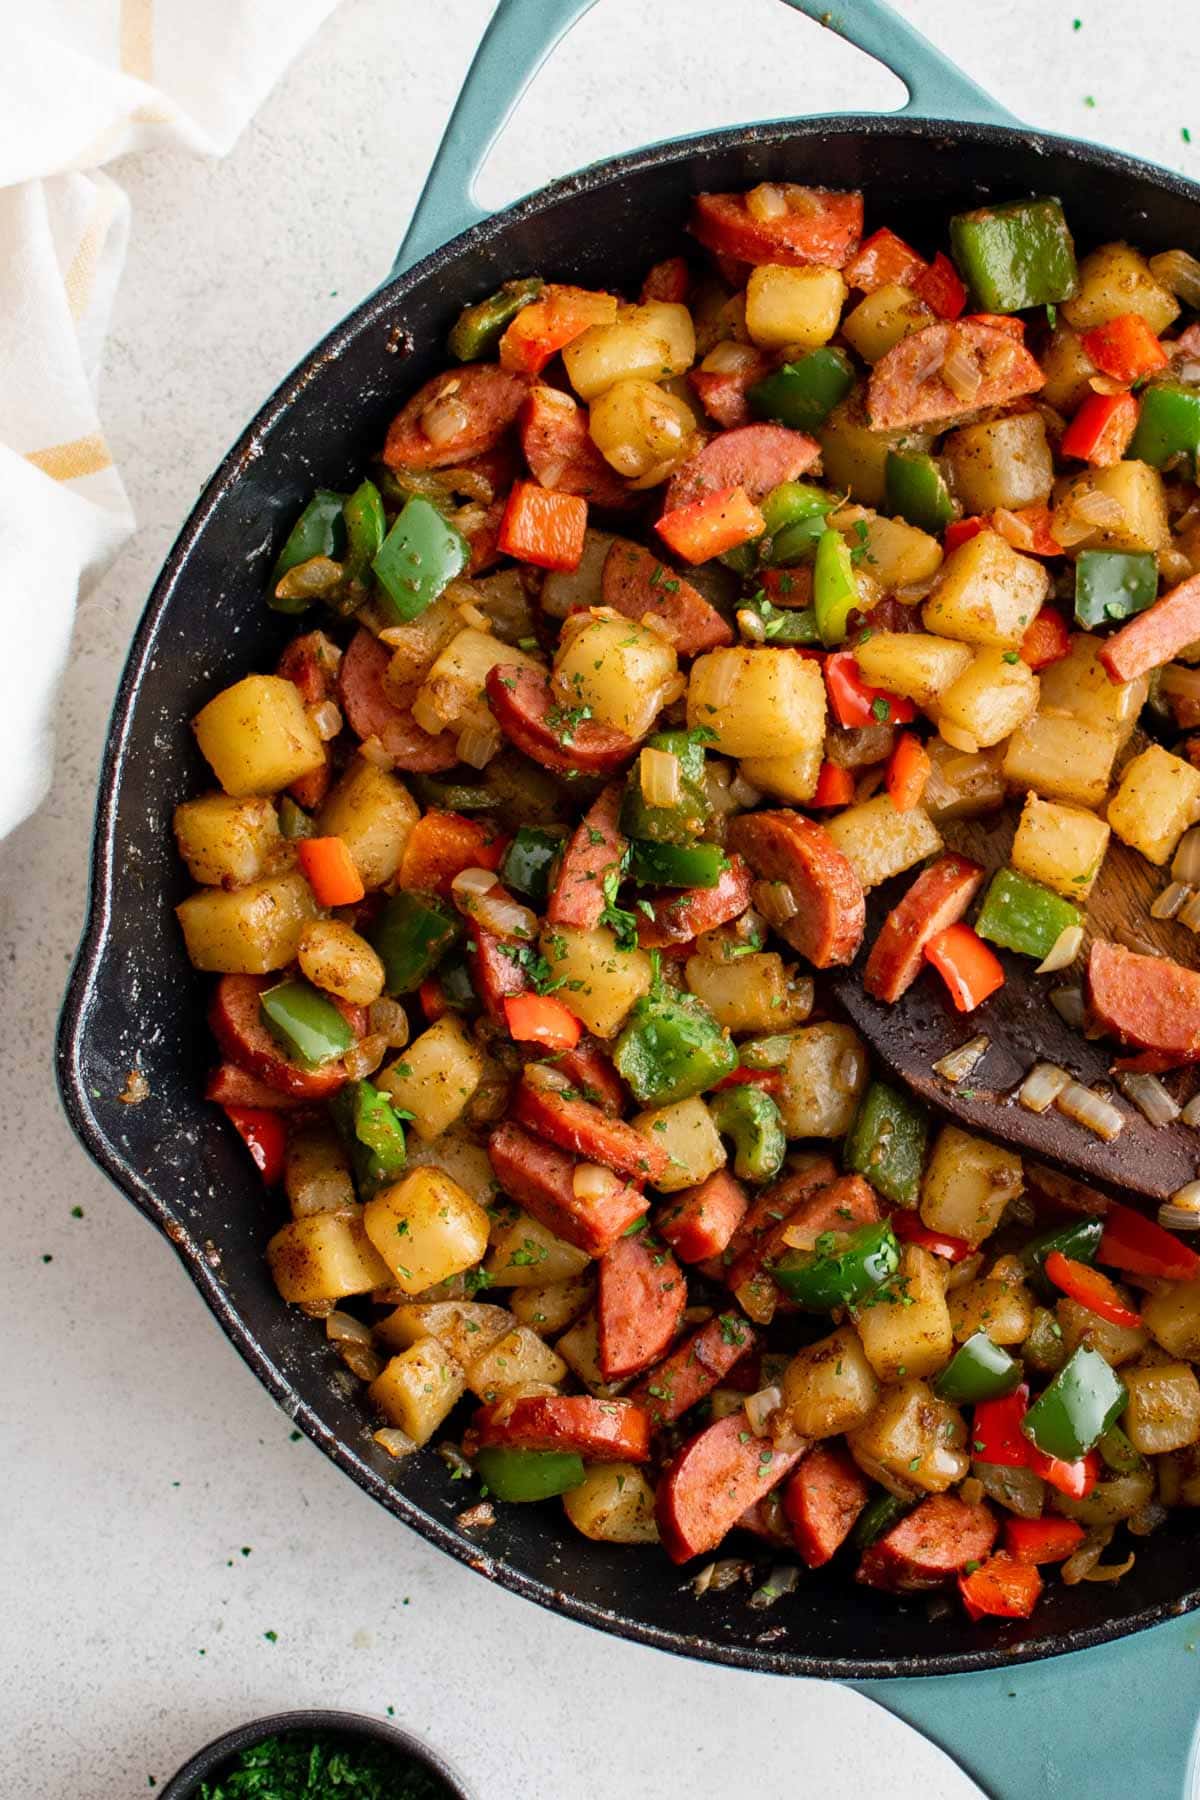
257,737
914,664
750,993
1068,370
614,1504
895,554
882,318
881,842
649,342
333,956
961,786
227,842
1141,522
989,700
822,1081
316,1175
526,1253
793,778
452,697
830,1387
905,1325
514,1361
967,1184
551,1309
1117,1344
855,457
1078,684
1062,846
913,1443
1000,1304
1157,800
418,1389
760,702
373,813
786,306
249,930
642,431
601,981
435,1077
426,1229
622,671
1061,757
686,1132
1001,463
464,1328
1172,1317
1116,279
987,593
325,1256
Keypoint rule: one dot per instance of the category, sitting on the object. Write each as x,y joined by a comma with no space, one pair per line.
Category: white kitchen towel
81,82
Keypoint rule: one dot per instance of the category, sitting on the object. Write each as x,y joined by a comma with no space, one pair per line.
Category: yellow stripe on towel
67,462
137,39
81,275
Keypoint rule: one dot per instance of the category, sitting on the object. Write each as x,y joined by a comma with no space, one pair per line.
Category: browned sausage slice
536,724
474,408
541,1178
714,1479
929,1546
1153,637
594,855
310,662
722,393
236,1023
601,1430
230,1086
687,915
699,1222
1145,1001
821,225
907,388
938,897
640,1299
371,714
545,1103
799,1214
694,1368
822,1500
496,975
754,457
590,1073
635,583
561,454
831,912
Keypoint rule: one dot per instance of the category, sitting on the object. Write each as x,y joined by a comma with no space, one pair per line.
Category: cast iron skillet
133,999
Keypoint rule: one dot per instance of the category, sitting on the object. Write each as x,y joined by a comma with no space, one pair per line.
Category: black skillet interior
134,999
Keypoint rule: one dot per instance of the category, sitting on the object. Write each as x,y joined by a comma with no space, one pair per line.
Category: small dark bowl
212,1759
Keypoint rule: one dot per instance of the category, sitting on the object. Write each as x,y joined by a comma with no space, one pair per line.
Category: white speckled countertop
171,1560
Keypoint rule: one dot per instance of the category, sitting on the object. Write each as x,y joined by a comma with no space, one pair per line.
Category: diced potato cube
550,1309
452,694
1078,684
565,591
989,700
227,842
1001,463
526,1253
514,1361
614,1504
961,786
967,1184
686,1132
750,993
1000,1304
881,842
460,1157
642,430
914,664
786,306
1158,798
1164,1408
882,318
1062,846
830,1387
1117,1344
822,1081
621,670
1116,279
987,593
650,342
580,1350
759,702
1061,757
426,1229
418,1389
792,778
854,457
435,1077
249,930
257,736
601,981
1068,370
895,553
334,957
463,1327
905,1325
325,1256
373,813
1172,1317
1139,492
316,1174
913,1443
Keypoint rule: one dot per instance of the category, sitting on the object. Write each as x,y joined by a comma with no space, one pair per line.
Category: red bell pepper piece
433,1000
1046,639
996,1435
708,527
767,1079
1036,539
1079,1281
441,845
835,786
961,531
265,1137
1140,1246
1042,1540
908,769
881,259
1000,1588
329,870
541,1019
1124,348
542,526
853,702
550,323
909,1229
970,970
1075,1479
1100,431
939,286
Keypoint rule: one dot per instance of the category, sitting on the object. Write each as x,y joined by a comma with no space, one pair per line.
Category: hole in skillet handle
216,1758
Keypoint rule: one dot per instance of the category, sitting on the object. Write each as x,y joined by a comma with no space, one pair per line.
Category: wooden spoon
1022,1027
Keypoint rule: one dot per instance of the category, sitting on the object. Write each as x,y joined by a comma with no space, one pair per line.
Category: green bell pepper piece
1168,426
795,513
683,822
1118,1454
458,990
528,1474
835,591
677,865
916,490
309,1026
528,861
671,1048
801,395
978,1370
886,1143
1083,1401
319,531
451,796
842,1269
783,625
366,528
877,1517
411,935
374,1132
1113,584
294,822
766,1052
1016,255
420,555
751,1118
1079,1240
479,328
1022,915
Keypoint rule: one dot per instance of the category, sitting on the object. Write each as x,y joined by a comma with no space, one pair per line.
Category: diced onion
480,1517
660,777
396,1443
326,719
849,1071
470,614
956,1065
1067,529
492,907
1015,531
1105,384
1097,508
957,738
760,1406
779,1582
343,1328
1092,1110
1179,272
1178,1218
1187,1198
1167,904
743,793
371,750
750,626
362,1059
803,200
591,1181
1063,951
1019,1491
766,201
730,358
1189,913
445,417
477,744
1173,564
1042,1086
1068,1004
1148,1517
427,713
1185,864
387,1019
1110,1571
718,782
1191,1112
720,1575
1148,1095
775,901
362,1360
766,1053
1088,1554
473,881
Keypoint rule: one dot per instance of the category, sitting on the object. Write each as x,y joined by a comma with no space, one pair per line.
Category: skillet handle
523,33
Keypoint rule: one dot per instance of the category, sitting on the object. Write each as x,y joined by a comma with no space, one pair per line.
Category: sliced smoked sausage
717,1475
641,1295
635,583
371,714
482,400
600,1430
699,1222
929,1546
546,1105
822,1500
1145,1001
1153,637
595,855
938,897
831,914
820,226
541,1178
696,1366
561,454
536,724
687,915
906,386
754,457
